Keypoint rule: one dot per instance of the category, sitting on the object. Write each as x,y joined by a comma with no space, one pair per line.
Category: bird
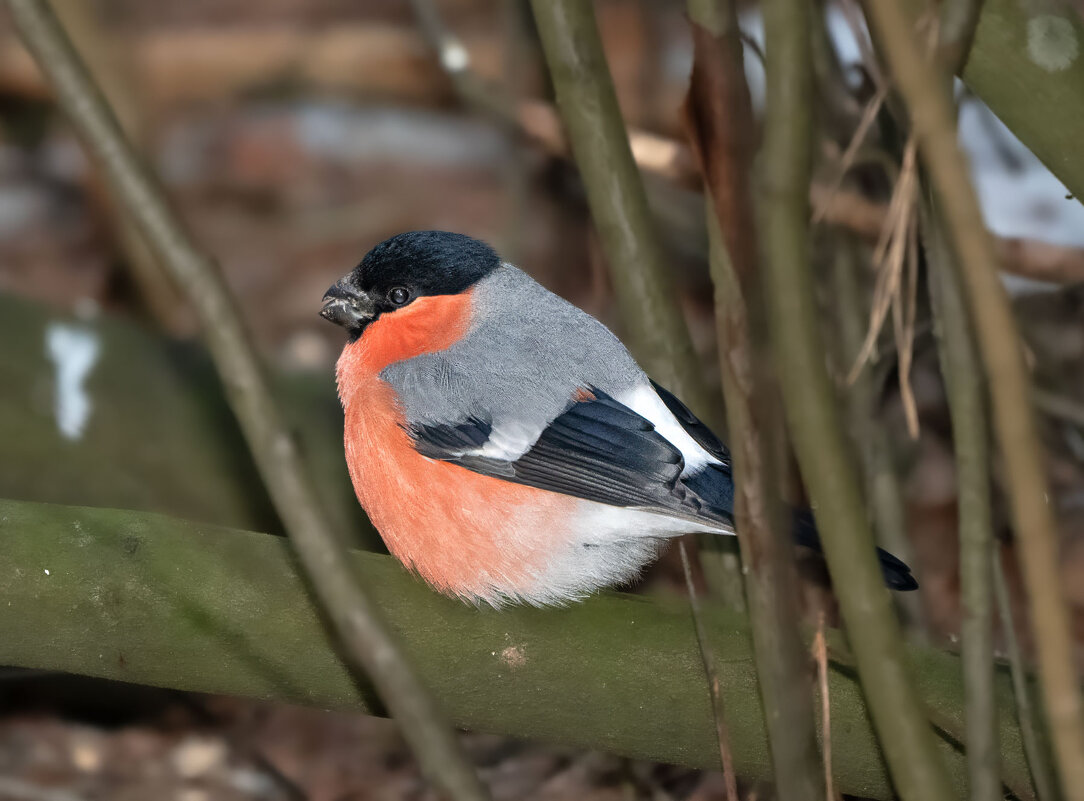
504,442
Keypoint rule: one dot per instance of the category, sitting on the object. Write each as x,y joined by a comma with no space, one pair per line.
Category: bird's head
399,271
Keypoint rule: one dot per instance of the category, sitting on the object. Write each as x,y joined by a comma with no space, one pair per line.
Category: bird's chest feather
467,534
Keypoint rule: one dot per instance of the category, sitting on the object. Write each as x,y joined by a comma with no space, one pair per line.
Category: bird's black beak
346,306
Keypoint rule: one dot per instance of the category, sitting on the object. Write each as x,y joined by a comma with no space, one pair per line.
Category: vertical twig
933,120
717,710
809,402
721,128
820,655
587,102
1041,776
368,642
868,434
964,382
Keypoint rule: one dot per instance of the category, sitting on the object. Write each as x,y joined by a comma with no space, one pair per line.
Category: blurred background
293,136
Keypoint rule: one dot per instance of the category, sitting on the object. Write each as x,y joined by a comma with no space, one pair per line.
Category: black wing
897,574
598,449
701,434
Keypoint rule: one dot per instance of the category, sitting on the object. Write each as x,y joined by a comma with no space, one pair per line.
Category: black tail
897,575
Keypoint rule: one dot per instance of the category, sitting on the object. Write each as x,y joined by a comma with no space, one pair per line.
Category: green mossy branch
1027,64
153,600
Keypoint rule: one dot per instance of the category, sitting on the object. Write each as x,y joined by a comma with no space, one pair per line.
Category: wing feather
597,449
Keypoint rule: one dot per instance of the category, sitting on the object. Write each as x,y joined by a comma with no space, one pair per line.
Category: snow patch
74,351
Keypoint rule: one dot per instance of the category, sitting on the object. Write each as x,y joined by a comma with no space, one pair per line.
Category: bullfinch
505,443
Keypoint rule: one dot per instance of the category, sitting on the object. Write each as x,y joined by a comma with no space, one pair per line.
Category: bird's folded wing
598,449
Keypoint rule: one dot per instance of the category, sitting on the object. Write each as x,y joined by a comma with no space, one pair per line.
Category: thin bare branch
721,127
934,124
717,710
868,434
820,655
671,159
965,384
368,642
813,416
1041,775
869,115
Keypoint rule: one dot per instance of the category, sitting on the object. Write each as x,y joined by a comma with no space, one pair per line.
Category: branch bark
965,385
869,436
814,420
655,326
153,600
935,126
720,125
1041,768
354,615
964,380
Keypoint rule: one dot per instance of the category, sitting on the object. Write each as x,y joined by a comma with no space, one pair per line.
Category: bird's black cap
426,263
405,267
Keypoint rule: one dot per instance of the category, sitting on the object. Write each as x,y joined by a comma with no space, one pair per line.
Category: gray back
526,353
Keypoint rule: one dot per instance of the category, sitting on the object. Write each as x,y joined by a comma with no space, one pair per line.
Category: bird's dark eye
398,295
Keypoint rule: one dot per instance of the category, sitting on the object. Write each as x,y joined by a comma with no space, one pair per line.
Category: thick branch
655,326
814,420
153,600
935,126
721,127
366,638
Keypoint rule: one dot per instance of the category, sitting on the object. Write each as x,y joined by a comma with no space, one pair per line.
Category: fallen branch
153,600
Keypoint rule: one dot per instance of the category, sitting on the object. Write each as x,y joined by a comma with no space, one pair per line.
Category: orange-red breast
504,442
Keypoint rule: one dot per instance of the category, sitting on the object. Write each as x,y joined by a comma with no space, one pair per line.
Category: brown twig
720,125
889,256
814,421
965,386
367,640
846,161
842,207
1041,775
868,434
934,124
820,655
904,311
717,708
